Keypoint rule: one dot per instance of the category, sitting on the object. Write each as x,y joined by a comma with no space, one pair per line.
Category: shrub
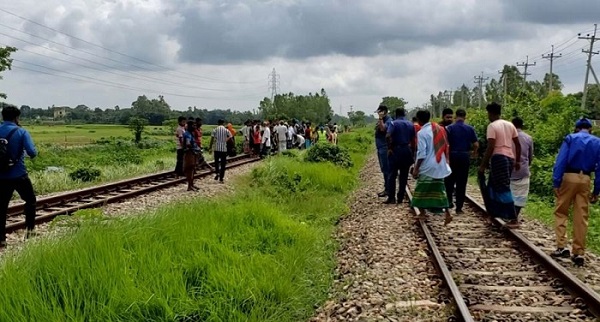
329,153
85,174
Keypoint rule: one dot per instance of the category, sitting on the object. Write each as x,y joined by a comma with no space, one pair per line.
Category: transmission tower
273,84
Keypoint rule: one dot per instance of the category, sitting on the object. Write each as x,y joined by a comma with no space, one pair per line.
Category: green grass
263,253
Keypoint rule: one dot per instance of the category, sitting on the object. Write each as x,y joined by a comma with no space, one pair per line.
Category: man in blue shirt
578,157
380,142
15,177
462,140
400,137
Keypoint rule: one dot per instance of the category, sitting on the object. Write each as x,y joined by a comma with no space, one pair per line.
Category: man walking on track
519,181
13,174
462,140
400,138
219,138
578,157
501,136
179,143
431,168
380,142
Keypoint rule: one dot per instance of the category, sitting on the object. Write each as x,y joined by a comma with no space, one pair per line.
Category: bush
85,174
329,153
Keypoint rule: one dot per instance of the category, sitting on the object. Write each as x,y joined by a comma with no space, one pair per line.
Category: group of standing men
441,154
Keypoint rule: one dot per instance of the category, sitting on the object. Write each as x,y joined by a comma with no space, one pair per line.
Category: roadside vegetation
263,253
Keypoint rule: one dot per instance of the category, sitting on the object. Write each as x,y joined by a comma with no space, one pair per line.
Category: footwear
382,194
447,219
459,211
578,260
561,253
512,224
3,244
390,202
221,181
217,177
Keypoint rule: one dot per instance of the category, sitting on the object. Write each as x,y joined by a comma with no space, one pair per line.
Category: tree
393,102
154,110
357,118
5,61
557,85
137,125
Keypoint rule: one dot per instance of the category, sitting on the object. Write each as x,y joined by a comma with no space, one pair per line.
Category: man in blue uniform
400,138
462,140
14,177
380,142
578,157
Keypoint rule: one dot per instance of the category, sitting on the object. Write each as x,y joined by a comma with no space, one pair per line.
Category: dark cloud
552,11
237,31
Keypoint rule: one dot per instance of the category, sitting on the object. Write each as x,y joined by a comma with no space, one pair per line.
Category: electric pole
525,64
551,57
590,52
479,81
504,87
273,85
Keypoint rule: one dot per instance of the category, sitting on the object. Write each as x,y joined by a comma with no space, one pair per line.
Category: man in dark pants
462,139
380,142
15,176
400,138
219,138
180,148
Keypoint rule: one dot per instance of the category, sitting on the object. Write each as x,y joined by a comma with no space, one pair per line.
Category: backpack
6,162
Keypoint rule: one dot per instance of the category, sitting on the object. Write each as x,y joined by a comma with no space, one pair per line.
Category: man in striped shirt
219,138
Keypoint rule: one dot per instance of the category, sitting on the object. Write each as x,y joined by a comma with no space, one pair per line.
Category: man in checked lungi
519,180
431,168
500,157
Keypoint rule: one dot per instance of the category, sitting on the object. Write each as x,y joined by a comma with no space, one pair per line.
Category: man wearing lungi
578,157
431,168
519,180
499,156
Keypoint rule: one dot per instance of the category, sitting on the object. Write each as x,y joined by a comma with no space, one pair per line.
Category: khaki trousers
575,189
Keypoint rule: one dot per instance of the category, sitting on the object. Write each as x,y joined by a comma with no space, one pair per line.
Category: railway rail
493,273
49,208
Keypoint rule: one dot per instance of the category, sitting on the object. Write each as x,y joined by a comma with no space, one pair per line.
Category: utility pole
504,87
551,57
449,97
479,81
525,64
273,85
590,52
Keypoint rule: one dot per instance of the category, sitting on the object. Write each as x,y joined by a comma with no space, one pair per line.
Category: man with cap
578,157
383,124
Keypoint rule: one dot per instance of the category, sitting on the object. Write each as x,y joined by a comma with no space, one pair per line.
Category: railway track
66,203
493,273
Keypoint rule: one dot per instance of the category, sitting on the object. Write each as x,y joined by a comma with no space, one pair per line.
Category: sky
219,53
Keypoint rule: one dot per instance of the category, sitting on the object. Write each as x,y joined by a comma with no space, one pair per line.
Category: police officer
578,157
401,139
380,142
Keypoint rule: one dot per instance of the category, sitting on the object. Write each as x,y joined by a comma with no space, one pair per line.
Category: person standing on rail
519,180
266,141
462,140
383,124
179,143
400,138
191,151
431,168
446,117
578,157
13,174
246,133
218,139
499,156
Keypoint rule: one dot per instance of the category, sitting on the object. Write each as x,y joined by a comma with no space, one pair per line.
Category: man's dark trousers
384,166
24,188
220,162
459,163
399,162
179,164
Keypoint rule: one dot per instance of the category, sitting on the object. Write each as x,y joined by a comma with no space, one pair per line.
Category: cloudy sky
219,53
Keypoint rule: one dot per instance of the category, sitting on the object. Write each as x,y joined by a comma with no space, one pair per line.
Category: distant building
60,112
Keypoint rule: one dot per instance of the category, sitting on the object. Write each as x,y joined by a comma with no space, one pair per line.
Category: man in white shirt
282,135
431,168
266,140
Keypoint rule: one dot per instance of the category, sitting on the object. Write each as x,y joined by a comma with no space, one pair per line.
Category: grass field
262,253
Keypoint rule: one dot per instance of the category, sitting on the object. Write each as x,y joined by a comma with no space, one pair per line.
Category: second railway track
50,207
495,274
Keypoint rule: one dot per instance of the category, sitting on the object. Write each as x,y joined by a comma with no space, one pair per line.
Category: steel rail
107,193
572,284
462,309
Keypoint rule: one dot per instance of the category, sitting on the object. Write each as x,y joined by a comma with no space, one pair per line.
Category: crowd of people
439,155
260,139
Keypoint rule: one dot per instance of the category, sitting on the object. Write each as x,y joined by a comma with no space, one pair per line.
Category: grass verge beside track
263,253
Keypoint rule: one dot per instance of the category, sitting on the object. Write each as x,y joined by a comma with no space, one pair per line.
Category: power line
479,80
525,64
590,52
551,57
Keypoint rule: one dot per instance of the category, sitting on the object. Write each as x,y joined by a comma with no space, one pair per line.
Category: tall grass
263,253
